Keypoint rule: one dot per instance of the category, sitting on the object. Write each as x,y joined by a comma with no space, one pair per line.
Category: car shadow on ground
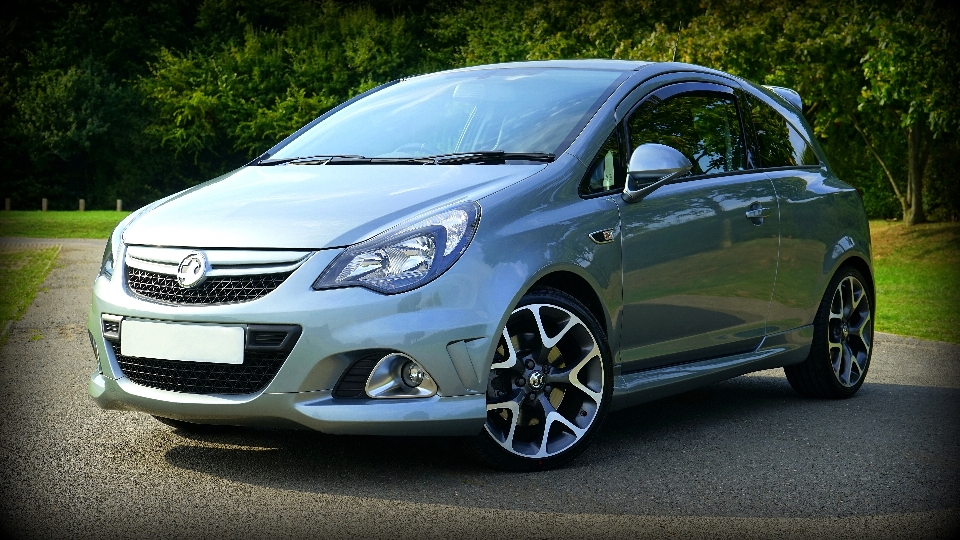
751,439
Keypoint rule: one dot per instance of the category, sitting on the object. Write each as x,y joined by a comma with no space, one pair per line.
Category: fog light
412,374
397,375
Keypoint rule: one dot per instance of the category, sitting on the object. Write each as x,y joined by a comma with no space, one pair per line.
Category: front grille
253,375
215,290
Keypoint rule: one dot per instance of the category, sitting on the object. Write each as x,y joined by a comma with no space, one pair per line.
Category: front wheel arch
579,288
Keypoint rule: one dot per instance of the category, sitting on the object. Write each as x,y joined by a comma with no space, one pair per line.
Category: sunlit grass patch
90,224
22,270
917,271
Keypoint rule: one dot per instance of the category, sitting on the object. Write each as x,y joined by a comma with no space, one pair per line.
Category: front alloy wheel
548,386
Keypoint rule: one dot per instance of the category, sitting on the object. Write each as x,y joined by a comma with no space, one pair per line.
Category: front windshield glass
508,110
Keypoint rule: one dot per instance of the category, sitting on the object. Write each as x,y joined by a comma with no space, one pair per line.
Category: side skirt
776,350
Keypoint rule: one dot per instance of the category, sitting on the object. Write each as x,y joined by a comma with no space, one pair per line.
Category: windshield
495,110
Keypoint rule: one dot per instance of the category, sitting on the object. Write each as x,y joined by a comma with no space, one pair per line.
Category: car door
700,254
812,216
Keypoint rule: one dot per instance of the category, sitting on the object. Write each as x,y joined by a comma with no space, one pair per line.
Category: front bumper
438,325
455,415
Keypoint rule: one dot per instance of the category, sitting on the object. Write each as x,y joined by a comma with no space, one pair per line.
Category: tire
549,385
842,341
190,427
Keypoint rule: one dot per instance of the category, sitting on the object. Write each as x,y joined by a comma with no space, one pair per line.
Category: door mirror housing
652,166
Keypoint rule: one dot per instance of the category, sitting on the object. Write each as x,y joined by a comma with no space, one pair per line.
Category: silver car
505,252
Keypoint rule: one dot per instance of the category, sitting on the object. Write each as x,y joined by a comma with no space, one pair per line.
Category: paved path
747,458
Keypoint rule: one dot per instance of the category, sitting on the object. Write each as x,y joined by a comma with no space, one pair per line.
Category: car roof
610,65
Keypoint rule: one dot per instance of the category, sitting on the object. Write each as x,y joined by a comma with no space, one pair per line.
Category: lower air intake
353,382
253,375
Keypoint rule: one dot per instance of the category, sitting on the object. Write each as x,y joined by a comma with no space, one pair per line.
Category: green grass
21,273
917,271
72,224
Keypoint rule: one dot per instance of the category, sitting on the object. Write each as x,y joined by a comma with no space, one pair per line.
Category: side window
606,171
780,145
704,126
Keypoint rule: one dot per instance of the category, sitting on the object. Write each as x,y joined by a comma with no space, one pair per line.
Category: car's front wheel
842,341
549,385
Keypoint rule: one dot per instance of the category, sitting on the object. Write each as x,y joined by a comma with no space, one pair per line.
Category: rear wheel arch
860,265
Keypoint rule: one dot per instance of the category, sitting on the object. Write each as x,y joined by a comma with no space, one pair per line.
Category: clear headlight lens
407,257
112,252
106,264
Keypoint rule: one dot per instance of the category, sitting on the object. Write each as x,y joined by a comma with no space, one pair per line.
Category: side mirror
655,165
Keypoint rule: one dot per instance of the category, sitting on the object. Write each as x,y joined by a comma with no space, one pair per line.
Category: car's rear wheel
549,385
842,341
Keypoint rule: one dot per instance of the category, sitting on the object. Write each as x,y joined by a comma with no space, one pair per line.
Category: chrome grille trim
235,276
223,262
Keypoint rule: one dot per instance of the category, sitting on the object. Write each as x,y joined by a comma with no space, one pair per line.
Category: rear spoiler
791,96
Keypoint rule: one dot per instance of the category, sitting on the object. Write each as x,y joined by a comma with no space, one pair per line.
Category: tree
911,74
888,72
230,103
71,118
137,99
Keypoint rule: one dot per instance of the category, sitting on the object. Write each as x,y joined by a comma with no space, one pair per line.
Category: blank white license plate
184,342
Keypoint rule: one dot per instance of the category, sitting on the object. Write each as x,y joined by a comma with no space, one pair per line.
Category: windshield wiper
348,160
322,160
491,157
360,160
302,160
269,162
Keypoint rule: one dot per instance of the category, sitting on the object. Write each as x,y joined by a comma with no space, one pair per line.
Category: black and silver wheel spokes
546,382
849,331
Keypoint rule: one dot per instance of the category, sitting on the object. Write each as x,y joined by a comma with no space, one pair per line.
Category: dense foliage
107,99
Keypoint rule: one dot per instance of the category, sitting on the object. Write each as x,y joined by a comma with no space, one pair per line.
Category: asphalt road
746,458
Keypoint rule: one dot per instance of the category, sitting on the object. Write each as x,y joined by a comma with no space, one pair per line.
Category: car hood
311,206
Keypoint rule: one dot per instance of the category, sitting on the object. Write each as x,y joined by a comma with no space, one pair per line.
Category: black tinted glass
606,170
780,145
702,126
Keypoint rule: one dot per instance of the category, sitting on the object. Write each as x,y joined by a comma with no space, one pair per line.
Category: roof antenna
677,42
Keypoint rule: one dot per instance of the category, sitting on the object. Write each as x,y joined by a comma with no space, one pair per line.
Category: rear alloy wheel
549,384
842,341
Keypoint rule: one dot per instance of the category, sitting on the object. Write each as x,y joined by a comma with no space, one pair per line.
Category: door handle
757,212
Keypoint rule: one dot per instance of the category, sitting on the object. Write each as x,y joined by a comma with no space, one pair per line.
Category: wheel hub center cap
536,380
845,330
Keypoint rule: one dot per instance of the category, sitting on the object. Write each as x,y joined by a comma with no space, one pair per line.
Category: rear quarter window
779,143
